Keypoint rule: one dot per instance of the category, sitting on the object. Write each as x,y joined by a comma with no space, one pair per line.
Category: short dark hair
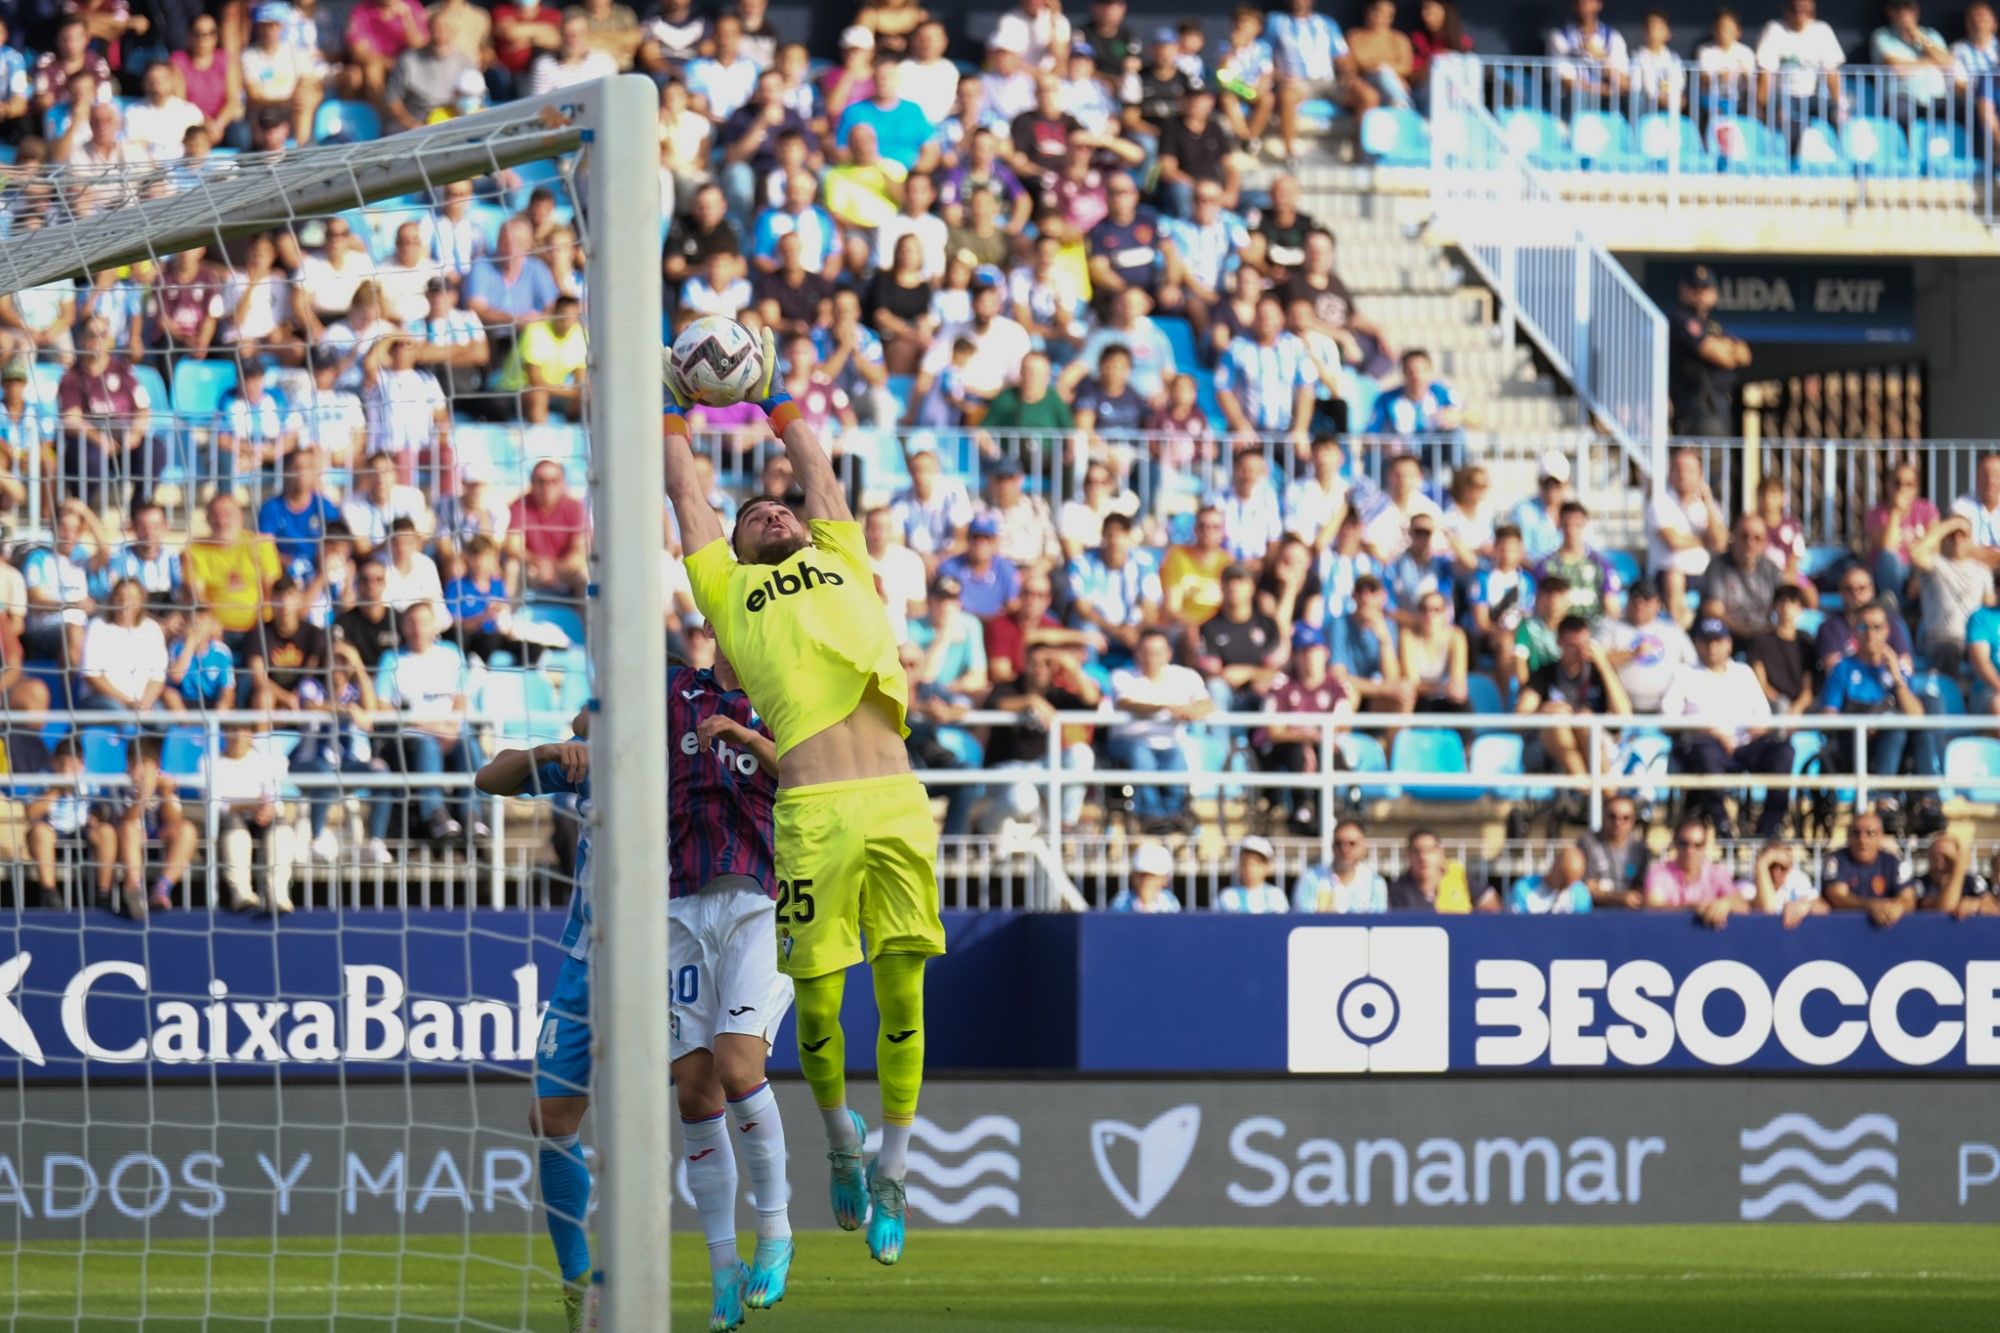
1121,522
1573,624
143,747
403,523
1506,532
1789,592
1572,507
1553,583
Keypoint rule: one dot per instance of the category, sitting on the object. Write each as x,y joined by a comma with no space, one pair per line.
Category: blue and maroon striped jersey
719,798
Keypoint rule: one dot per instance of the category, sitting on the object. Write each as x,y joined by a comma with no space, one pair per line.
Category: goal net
307,513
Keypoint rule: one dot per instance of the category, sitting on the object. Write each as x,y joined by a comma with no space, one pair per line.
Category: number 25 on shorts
797,895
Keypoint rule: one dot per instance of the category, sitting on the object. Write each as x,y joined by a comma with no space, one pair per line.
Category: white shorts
724,945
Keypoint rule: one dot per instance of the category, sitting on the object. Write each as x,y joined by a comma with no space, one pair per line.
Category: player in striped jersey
726,994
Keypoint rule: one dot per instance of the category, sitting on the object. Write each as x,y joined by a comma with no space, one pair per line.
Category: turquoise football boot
764,1286
850,1191
727,1311
885,1218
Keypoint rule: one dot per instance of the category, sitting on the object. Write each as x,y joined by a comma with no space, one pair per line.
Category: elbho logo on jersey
786,584
1369,999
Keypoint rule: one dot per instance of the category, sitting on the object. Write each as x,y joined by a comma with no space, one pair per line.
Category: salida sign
1803,303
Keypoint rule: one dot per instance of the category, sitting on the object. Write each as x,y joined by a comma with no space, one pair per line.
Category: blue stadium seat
542,171
488,217
1602,141
1941,694
900,388
199,388
351,122
1498,755
1362,752
1877,146
56,123
1317,115
382,225
1971,760
882,451
1819,152
1359,393
1663,136
566,445
1539,137
1430,750
1749,146
1644,754
1180,337
1395,137
184,751
1819,559
1483,692
565,618
104,750
1810,620
1943,152
1625,565
963,745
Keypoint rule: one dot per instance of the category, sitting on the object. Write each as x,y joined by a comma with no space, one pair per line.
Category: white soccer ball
716,361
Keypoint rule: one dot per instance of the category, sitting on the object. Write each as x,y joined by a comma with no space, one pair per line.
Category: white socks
711,1173
761,1136
893,1161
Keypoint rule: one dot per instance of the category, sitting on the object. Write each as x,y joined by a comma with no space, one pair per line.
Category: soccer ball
716,361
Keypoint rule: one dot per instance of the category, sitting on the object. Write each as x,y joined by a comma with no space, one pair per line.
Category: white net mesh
297,537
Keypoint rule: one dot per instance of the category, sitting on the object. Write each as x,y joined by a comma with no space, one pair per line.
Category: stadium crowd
1055,253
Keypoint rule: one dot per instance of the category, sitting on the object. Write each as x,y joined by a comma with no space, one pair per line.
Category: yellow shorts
853,859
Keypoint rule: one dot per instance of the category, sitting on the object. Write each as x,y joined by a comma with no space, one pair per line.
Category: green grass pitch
1815,1279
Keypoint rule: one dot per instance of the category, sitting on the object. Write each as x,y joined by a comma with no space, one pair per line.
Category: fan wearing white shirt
124,654
253,828
1162,699
378,500
161,120
1800,54
1725,63
330,278
1719,687
412,577
900,575
427,681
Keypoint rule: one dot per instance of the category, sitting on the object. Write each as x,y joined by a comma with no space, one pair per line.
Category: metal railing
1664,130
1572,298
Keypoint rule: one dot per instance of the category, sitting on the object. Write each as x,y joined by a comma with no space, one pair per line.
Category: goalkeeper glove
678,400
770,395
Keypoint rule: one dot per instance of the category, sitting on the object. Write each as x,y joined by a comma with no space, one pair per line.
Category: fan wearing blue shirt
1871,679
296,518
902,131
1560,891
1422,405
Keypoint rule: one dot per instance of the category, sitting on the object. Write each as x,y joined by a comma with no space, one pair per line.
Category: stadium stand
1022,294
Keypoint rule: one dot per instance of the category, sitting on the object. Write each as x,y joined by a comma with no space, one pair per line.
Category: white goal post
614,124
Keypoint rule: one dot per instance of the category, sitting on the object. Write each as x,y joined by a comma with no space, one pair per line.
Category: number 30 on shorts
795,894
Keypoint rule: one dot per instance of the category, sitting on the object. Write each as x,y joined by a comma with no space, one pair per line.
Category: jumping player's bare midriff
865,745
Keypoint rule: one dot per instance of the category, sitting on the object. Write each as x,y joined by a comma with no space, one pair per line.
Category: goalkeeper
794,609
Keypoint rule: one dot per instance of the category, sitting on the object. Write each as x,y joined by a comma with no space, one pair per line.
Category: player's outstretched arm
812,469
699,523
510,772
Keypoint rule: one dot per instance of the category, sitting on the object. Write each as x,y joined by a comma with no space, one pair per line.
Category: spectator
1892,529
1264,384
408,415
1249,508
724,80
1162,699
1032,621
1204,248
1240,649
70,60
1116,592
1658,77
1130,326
379,31
1953,582
1720,688
1051,681
1191,573
1146,888
412,575
989,582
230,572
952,643
428,77
1501,596
1804,54
1535,639
1950,884
1279,233
512,289
902,131
1127,249
1110,409
255,431
201,674
1646,648
573,61
549,368
144,824
1780,886
1035,28
146,558
980,170
790,298
1873,680
476,605
1421,405
105,165
983,235
1081,522
1254,891
1578,683
1195,148
1559,890
368,624
1785,544
1027,533
1865,876
1288,586
1918,55
1689,878
924,76
1840,632
1786,667
1308,687
933,510
548,537
124,655
1312,62
1315,504
1977,59
1982,651
253,826
1247,74
1365,654
1539,516
1348,885
60,815
1432,881
107,419
379,499
999,346
451,343
341,746
1434,657
1684,528
209,78
426,681
1594,61
1617,859
1593,585
160,120
1029,406
1726,65
1321,306
1743,586
721,288
1419,572
1982,508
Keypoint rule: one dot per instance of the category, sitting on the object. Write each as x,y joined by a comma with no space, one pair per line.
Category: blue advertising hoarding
1824,303
375,993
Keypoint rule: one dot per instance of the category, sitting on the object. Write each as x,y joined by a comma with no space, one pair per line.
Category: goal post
607,132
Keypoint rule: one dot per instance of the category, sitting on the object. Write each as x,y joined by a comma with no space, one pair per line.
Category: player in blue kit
727,996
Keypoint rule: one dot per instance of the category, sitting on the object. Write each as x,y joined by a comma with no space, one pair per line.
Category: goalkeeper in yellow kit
794,609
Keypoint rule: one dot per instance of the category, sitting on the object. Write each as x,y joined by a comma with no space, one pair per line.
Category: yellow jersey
809,637
229,580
